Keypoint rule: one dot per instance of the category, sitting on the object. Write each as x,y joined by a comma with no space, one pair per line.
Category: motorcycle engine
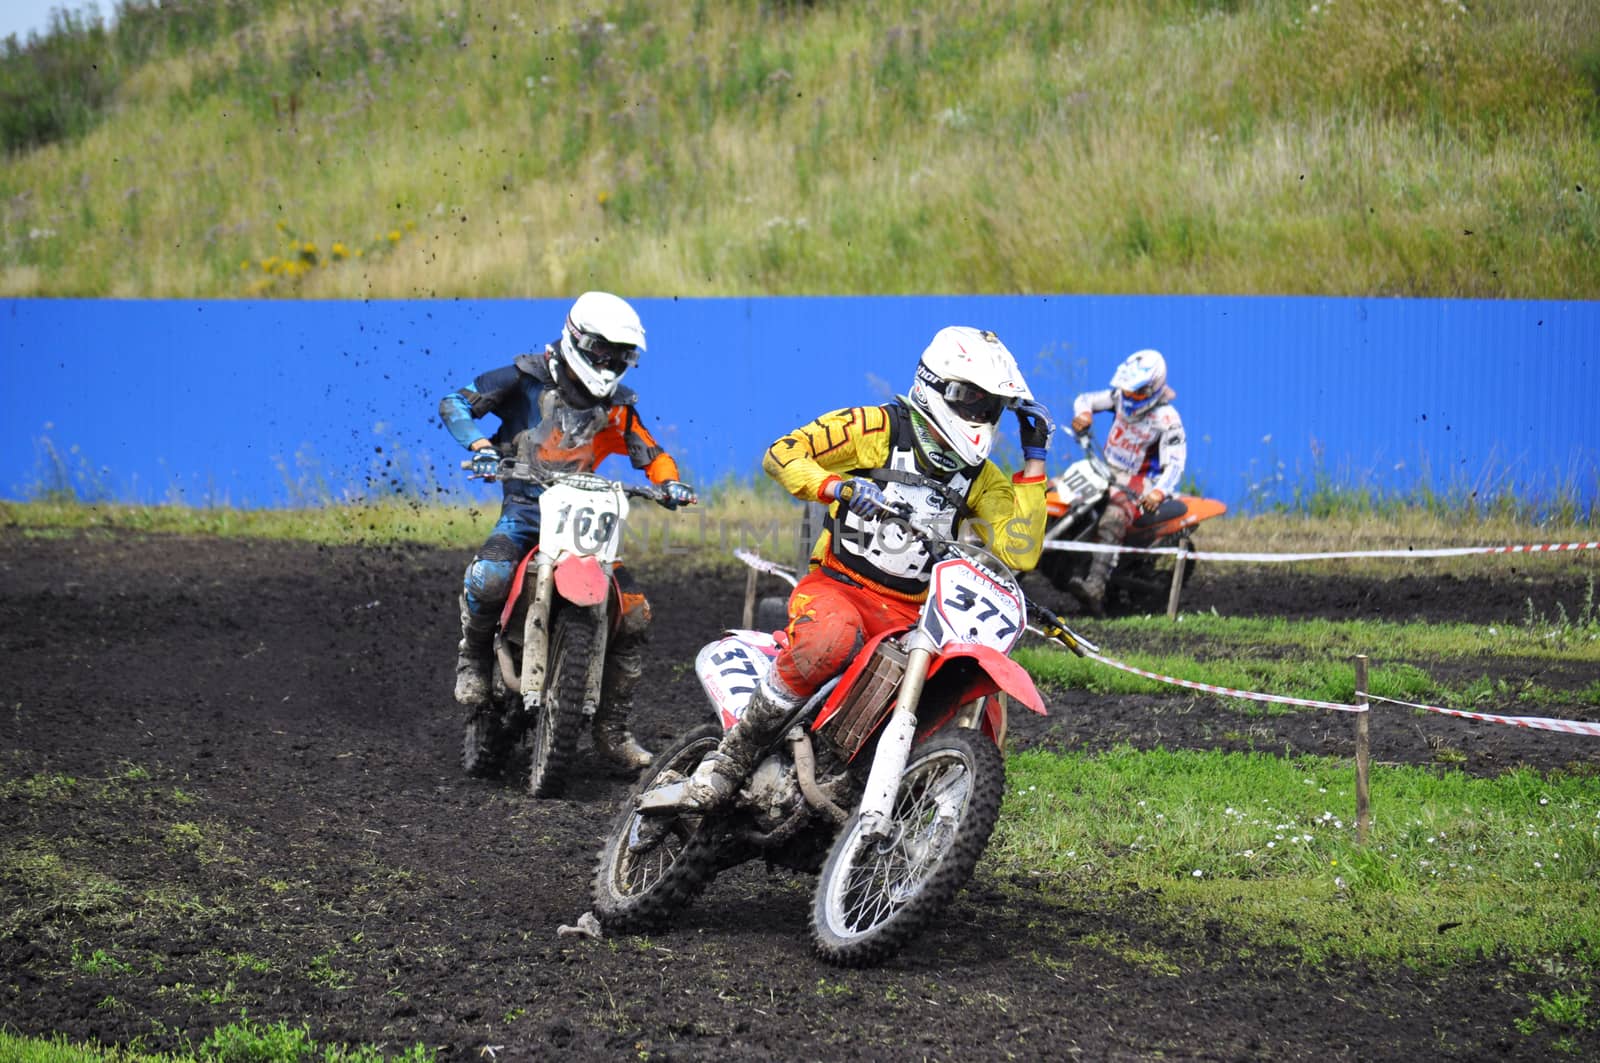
774,791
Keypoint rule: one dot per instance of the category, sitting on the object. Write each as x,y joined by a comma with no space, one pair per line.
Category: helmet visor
605,355
971,403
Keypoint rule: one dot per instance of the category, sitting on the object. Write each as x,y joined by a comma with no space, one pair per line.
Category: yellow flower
602,197
394,236
339,250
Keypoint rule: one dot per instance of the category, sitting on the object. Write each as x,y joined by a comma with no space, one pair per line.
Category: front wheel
876,893
652,866
554,735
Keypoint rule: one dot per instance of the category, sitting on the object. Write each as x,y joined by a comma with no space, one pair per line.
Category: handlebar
1046,623
511,469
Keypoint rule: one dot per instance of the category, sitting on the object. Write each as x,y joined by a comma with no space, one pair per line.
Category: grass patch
1455,866
736,149
245,1041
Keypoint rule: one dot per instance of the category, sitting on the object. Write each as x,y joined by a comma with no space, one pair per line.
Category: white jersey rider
1146,451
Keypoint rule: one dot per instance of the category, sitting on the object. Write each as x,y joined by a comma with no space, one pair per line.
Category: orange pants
829,622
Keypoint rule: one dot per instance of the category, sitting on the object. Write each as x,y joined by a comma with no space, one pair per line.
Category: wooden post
1363,751
1179,561
749,599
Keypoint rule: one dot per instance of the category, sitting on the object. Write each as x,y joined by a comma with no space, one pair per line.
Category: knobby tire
641,890
554,735
873,897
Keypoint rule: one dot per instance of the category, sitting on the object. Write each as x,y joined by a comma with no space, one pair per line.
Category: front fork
894,744
536,644
536,635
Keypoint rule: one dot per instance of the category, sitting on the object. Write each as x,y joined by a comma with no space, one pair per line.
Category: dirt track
230,767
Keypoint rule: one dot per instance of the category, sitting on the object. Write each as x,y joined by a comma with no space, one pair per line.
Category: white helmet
601,341
965,380
1142,380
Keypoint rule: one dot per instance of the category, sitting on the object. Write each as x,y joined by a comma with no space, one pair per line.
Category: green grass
1455,866
1371,147
245,1041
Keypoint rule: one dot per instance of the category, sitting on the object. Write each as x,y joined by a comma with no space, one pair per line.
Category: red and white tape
1229,691
1538,723
1205,555
1542,723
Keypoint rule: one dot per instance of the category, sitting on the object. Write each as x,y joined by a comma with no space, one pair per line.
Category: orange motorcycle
1076,499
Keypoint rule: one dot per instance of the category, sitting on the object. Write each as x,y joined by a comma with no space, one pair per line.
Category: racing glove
486,463
1082,421
1151,500
862,496
1033,418
676,493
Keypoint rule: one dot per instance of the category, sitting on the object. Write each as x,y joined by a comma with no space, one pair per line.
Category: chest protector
880,548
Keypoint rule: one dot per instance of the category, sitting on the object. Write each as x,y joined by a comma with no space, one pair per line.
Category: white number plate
731,668
1080,481
965,605
582,519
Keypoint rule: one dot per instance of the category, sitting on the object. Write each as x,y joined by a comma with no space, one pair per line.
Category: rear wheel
653,866
772,614
553,738
876,893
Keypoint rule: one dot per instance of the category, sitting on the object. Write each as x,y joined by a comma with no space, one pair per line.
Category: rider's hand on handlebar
1036,424
1081,422
862,496
485,462
676,493
1151,500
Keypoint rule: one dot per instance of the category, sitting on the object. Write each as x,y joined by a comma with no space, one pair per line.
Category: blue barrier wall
274,403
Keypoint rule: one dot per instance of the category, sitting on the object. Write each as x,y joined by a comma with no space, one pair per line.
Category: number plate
582,518
1080,481
966,606
731,668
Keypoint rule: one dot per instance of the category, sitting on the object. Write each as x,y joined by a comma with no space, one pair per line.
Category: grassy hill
482,148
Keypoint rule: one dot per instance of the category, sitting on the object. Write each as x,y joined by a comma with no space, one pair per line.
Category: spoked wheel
876,893
652,866
553,738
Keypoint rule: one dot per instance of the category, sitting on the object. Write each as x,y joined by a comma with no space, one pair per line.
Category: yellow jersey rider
927,451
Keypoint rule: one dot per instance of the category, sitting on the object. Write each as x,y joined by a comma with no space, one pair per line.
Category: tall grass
1364,146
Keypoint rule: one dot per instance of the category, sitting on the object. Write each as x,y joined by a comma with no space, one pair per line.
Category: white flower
1197,873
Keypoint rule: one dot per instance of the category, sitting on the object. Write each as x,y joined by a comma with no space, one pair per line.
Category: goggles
1138,396
605,355
971,403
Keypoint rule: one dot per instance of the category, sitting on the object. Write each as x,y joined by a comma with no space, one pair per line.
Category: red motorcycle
888,779
1075,500
550,646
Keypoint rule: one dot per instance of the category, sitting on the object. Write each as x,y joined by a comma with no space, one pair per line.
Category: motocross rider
559,408
1146,451
927,450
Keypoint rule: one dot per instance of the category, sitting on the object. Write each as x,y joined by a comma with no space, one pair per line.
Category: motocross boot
612,738
475,658
725,768
1090,589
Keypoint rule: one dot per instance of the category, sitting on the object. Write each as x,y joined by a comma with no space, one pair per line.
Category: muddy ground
229,784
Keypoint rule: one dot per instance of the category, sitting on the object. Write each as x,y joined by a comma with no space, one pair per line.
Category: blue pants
488,578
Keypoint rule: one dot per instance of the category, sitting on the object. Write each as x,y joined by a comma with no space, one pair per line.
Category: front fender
581,580
1004,673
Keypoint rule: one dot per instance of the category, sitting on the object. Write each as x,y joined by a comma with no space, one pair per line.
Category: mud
230,785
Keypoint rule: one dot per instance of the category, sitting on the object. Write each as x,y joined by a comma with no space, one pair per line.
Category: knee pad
487,583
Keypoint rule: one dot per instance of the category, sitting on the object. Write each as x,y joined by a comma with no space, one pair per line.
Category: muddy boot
612,739
725,768
1090,590
475,659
